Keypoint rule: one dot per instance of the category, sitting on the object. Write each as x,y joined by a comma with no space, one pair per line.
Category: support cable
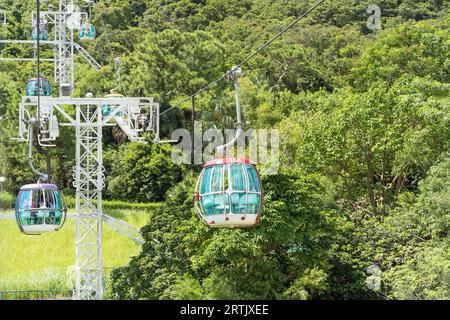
42,176
38,36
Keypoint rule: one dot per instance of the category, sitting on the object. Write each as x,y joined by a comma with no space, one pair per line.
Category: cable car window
253,203
50,205
208,204
237,178
253,179
49,200
36,198
216,182
24,204
30,86
25,199
26,218
205,187
238,202
226,178
222,203
59,204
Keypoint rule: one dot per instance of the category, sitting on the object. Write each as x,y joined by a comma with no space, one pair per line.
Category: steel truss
64,57
65,20
89,184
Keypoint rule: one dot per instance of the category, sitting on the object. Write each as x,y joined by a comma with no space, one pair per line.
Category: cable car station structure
64,21
135,115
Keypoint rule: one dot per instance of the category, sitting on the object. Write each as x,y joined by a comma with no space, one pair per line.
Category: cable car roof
39,186
228,160
41,78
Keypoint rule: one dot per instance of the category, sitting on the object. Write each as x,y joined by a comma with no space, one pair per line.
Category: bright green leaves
295,235
171,63
142,173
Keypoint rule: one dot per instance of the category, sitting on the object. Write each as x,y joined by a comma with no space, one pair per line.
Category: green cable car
229,193
87,31
41,87
40,208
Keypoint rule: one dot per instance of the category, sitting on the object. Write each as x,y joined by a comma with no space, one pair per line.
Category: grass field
47,262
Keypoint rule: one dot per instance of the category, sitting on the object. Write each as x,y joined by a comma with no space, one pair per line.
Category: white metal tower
89,211
135,116
64,26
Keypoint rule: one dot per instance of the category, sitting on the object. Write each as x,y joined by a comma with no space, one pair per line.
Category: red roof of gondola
228,160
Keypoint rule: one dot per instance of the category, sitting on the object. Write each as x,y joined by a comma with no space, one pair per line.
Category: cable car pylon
138,115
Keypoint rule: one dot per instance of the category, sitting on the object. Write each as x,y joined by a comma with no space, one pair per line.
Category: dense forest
360,205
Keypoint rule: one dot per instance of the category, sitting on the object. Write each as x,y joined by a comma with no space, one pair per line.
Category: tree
141,172
288,253
411,244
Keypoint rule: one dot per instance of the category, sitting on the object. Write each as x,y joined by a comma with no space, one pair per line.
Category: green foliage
290,251
411,245
418,49
172,63
308,285
6,200
142,173
424,278
114,205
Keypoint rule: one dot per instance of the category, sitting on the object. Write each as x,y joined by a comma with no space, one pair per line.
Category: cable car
229,193
43,33
106,109
43,88
87,31
40,208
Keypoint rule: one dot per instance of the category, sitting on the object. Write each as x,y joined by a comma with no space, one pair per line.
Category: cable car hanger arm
234,75
42,176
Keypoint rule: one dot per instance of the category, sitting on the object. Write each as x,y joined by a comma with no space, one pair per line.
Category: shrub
7,201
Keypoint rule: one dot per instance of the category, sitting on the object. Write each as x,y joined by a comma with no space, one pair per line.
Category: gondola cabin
107,109
41,87
229,193
87,31
43,33
40,208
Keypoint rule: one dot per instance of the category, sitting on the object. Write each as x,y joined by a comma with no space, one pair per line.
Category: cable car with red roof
229,193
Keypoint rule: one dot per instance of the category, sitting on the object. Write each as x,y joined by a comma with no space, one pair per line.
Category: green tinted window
253,180
237,178
215,204
25,200
244,203
58,200
217,175
206,181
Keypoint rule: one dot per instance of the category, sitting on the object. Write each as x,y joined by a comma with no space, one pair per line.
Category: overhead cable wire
249,57
38,36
